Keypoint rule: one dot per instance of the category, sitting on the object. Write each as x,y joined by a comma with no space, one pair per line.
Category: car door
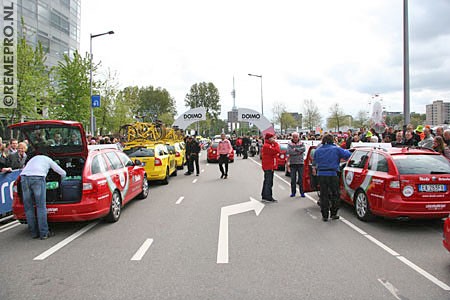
133,176
354,174
309,177
119,176
378,170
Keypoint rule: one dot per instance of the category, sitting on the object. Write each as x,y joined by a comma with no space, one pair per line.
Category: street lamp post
262,102
90,76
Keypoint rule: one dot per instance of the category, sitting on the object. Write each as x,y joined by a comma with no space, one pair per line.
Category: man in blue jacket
327,158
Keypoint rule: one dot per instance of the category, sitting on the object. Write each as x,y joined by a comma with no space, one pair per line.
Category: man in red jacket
269,152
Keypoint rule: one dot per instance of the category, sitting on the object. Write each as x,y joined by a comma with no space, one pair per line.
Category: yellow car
156,159
180,154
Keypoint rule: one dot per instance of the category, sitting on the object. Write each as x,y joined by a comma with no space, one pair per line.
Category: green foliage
337,117
204,95
287,121
73,89
33,84
155,102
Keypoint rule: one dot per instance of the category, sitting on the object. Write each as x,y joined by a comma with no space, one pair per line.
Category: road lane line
142,250
308,212
397,255
179,200
64,242
6,218
195,180
391,288
424,273
9,226
383,246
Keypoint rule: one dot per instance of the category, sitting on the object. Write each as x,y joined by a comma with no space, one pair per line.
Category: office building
55,23
438,113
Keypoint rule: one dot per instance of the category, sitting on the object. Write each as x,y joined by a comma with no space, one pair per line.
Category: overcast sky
326,50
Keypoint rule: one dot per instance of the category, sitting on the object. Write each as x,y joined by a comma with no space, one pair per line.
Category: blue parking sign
95,99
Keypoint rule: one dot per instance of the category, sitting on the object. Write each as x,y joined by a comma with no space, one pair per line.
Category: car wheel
115,208
175,173
231,160
166,179
362,207
145,189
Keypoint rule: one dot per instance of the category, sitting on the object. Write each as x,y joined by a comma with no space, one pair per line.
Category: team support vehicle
99,181
409,183
159,163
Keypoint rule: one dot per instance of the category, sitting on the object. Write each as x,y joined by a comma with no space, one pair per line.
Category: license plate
432,188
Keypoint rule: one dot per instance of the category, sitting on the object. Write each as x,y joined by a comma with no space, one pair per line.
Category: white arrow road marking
179,200
195,180
391,288
64,242
203,170
142,250
281,187
225,212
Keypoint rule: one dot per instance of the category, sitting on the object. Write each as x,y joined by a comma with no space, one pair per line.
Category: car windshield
140,152
421,164
54,139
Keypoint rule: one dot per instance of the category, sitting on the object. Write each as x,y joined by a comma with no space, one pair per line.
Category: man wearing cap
269,154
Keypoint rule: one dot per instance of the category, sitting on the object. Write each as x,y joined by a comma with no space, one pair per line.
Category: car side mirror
161,152
137,162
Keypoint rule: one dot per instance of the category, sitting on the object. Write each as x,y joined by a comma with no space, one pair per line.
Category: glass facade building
54,23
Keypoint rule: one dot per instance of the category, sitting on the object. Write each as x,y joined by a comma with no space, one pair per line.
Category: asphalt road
171,246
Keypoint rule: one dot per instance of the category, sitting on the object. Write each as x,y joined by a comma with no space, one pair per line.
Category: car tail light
281,156
177,154
158,162
214,152
89,187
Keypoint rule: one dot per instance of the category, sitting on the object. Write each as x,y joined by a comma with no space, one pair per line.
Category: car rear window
214,145
283,146
421,164
140,152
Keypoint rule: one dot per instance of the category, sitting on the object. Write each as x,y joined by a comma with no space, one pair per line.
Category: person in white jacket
34,193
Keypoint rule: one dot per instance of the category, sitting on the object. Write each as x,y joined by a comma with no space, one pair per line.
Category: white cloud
326,50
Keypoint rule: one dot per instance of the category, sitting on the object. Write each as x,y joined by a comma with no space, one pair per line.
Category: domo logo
250,116
193,116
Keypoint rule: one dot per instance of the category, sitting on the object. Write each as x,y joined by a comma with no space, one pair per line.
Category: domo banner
189,117
255,117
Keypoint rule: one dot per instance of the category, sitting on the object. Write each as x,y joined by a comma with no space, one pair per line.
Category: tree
33,83
155,102
311,116
288,121
108,113
278,109
337,117
360,120
73,89
204,95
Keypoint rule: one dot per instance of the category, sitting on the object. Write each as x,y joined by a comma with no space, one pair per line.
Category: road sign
95,100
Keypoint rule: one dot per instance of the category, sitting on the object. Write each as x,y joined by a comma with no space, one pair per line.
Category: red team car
393,182
213,155
99,181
